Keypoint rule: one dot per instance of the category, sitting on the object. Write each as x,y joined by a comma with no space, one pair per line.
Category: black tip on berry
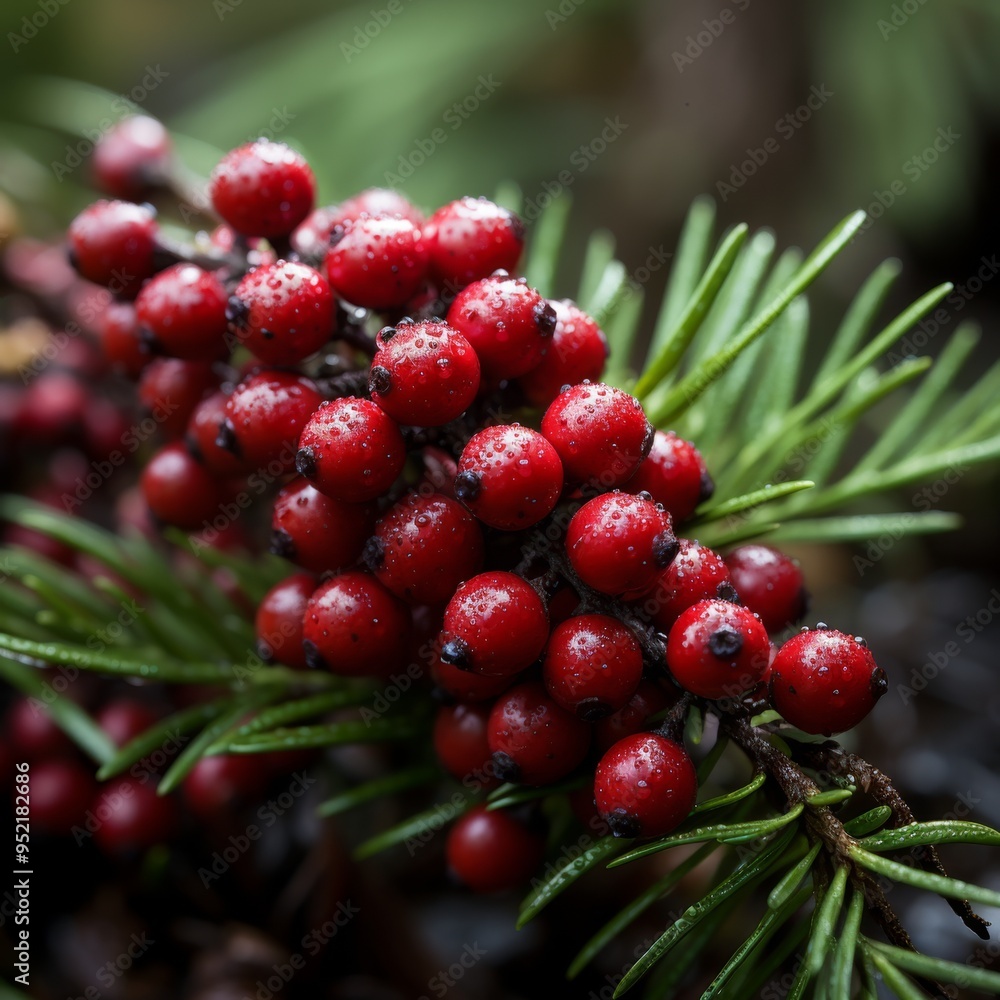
379,380
336,235
592,709
314,661
517,226
237,310
707,488
505,767
148,341
879,683
467,486
725,643
545,317
264,652
665,548
727,592
647,441
74,260
623,824
305,462
266,334
373,554
456,653
226,438
282,544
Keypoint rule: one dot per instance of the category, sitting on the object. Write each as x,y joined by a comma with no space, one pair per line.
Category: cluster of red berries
532,563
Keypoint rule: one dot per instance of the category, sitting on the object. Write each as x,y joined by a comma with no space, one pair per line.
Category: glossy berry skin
125,718
601,433
471,238
674,474
717,649
317,532
770,584
592,665
492,851
131,816
577,353
648,700
280,618
179,490
118,333
182,313
31,730
509,476
377,201
495,624
378,263
354,627
617,543
351,450
221,783
133,158
424,374
61,791
265,416
825,682
112,243
507,322
534,740
282,312
696,574
645,786
262,189
201,438
171,389
464,685
424,547
461,745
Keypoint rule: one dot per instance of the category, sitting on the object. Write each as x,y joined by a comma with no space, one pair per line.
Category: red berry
508,324
470,239
533,739
179,490
378,262
464,685
495,624
461,745
265,416
645,786
425,374
316,532
118,332
674,474
112,243
717,649
131,817
170,390
825,682
592,665
52,409
311,239
490,851
770,584
125,718
648,701
377,201
351,450
222,783
424,547
696,574
33,733
354,627
182,313
600,432
577,353
61,791
133,158
282,312
617,542
509,476
262,189
280,618
202,438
